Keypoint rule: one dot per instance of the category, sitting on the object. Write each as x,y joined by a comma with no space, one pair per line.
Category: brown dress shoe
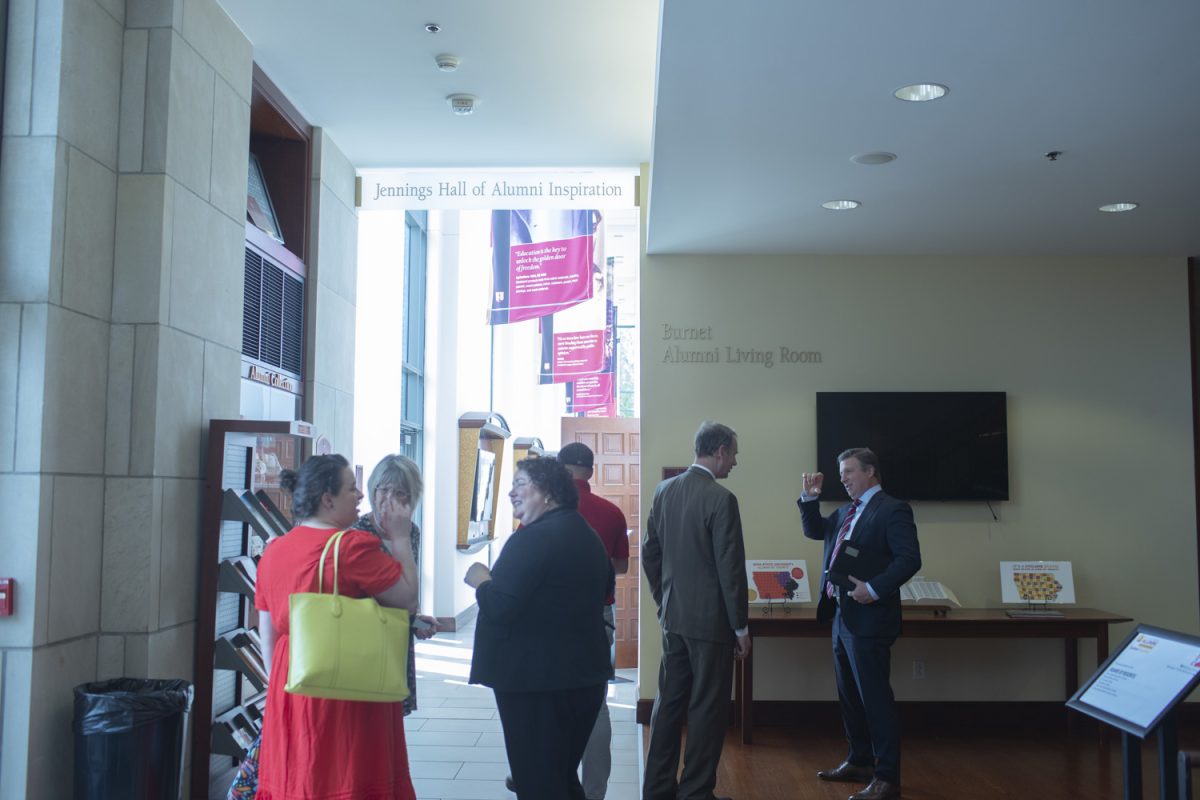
847,772
878,789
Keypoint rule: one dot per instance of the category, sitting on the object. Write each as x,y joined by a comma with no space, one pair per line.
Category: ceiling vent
462,104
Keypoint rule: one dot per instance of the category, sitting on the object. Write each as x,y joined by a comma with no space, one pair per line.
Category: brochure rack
239,518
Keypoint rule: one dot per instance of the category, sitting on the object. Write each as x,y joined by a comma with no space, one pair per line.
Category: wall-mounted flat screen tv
931,445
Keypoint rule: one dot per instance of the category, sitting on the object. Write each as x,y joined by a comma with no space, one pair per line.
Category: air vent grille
270,332
273,316
253,304
293,330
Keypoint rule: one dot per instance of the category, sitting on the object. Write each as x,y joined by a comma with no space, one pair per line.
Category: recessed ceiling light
872,159
840,205
1117,208
920,92
433,27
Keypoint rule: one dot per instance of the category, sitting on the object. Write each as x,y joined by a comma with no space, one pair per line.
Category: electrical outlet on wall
918,670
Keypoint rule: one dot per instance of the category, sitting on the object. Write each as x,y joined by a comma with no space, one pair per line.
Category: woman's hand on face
393,514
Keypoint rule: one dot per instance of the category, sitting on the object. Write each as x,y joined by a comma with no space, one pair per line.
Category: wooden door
617,477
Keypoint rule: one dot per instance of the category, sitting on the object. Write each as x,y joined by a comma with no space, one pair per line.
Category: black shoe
879,789
850,773
508,784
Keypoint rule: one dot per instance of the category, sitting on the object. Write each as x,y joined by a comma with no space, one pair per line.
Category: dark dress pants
694,683
545,734
862,665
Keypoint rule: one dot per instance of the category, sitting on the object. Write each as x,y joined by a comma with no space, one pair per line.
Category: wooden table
959,623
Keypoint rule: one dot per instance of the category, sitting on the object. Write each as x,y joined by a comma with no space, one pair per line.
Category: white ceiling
757,107
562,83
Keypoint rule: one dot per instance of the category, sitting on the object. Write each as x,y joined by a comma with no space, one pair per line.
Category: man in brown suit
695,561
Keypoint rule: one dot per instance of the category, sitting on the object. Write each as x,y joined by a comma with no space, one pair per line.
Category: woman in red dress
314,749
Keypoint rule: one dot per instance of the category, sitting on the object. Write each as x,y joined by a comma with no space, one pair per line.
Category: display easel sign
1036,582
1142,680
778,581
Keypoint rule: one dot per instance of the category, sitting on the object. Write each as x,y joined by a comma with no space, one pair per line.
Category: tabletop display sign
1152,671
1048,582
778,581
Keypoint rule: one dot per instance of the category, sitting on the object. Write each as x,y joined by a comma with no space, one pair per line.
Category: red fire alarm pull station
8,588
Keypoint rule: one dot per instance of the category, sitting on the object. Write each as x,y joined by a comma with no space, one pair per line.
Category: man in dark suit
866,621
695,561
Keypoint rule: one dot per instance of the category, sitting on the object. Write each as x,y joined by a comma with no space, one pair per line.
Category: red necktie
841,537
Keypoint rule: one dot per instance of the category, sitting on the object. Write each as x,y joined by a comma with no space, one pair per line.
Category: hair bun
287,480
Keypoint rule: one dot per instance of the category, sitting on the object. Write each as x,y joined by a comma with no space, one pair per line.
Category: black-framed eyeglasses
401,494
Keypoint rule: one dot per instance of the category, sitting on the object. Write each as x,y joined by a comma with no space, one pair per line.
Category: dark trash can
129,736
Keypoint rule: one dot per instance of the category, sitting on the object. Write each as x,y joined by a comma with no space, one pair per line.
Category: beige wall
1094,356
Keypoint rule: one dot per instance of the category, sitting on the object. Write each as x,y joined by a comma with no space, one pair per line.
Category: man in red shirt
609,524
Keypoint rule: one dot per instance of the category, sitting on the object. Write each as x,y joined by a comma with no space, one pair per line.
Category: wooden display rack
478,431
527,447
229,497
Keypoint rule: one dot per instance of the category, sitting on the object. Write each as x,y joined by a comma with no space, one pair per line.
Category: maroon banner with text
590,393
542,262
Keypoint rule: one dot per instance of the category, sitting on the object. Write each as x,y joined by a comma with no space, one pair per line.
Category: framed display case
481,438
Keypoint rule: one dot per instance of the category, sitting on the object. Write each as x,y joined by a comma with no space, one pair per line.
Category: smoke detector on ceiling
446,62
462,104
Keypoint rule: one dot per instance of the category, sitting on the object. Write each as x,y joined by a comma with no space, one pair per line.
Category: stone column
122,199
330,297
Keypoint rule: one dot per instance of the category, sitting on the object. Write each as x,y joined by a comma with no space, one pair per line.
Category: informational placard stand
1037,584
777,583
1136,690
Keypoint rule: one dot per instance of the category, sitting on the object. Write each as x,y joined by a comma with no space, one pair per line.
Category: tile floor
455,744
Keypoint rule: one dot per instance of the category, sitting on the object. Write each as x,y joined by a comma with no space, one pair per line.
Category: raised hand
812,482
393,514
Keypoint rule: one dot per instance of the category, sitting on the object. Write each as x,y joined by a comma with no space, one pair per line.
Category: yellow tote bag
345,648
